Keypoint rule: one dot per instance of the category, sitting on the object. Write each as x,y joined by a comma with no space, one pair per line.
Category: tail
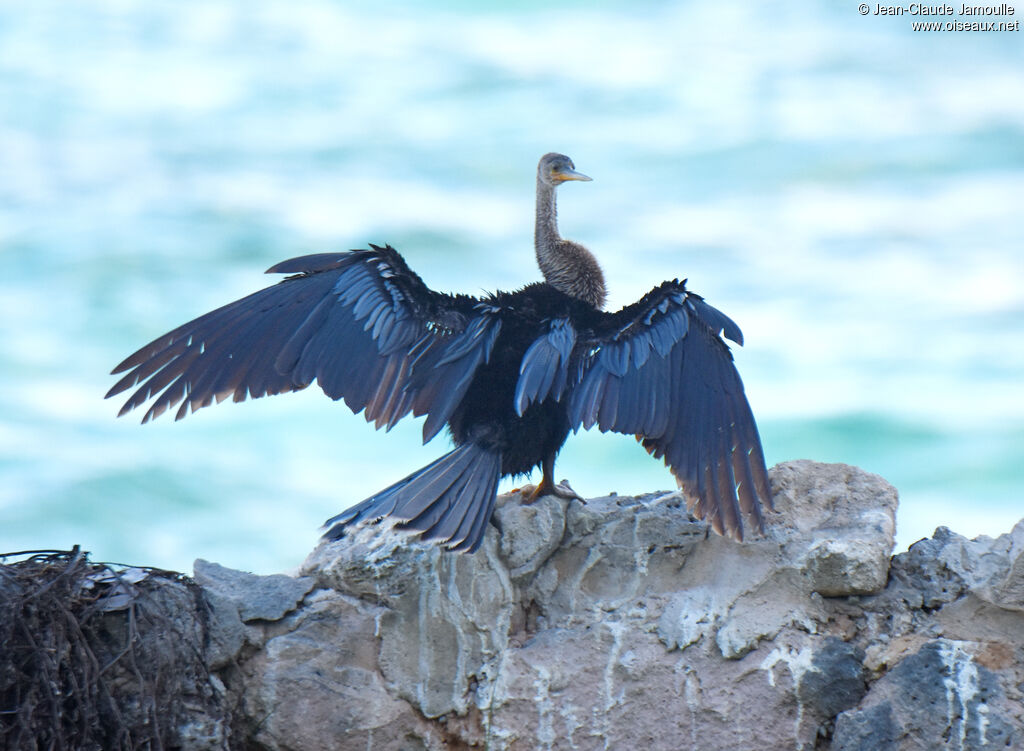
450,500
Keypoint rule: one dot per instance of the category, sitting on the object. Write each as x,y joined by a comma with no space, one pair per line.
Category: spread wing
361,324
659,369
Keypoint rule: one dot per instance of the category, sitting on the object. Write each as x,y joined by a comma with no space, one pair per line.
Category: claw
564,490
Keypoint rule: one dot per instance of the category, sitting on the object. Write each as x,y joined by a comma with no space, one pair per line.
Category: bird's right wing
660,370
361,324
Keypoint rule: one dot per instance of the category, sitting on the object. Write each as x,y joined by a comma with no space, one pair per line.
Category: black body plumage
510,375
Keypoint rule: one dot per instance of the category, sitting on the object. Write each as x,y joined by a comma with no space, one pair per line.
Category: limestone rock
265,598
846,518
625,623
619,622
317,683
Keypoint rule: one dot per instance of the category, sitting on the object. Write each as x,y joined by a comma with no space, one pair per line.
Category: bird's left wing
360,323
659,369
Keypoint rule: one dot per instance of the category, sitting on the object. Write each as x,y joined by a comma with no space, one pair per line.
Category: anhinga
509,374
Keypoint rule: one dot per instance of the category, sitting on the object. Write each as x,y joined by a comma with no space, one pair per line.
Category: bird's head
555,169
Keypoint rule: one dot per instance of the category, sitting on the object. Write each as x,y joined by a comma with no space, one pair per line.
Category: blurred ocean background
849,191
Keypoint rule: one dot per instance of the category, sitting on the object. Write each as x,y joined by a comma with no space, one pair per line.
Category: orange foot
547,487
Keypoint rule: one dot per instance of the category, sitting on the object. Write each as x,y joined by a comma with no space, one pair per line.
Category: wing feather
359,323
660,370
543,371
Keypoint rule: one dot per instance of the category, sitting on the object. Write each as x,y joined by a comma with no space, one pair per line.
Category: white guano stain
962,688
691,689
616,629
799,663
640,554
455,603
545,706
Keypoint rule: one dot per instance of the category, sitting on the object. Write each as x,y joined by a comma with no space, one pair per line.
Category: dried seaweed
100,656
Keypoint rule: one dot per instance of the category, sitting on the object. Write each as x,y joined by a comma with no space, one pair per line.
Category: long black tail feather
450,499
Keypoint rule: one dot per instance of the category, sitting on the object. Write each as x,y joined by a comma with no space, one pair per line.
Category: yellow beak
570,174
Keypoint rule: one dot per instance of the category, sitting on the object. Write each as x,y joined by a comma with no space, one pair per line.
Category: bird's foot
547,487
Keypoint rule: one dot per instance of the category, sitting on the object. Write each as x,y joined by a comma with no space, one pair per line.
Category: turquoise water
849,191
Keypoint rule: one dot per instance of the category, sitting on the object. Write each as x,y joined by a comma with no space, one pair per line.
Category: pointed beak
571,174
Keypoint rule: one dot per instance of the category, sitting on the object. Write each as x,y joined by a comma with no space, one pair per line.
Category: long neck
545,233
567,266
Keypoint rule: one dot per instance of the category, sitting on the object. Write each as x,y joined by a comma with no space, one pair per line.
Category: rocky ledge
617,624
